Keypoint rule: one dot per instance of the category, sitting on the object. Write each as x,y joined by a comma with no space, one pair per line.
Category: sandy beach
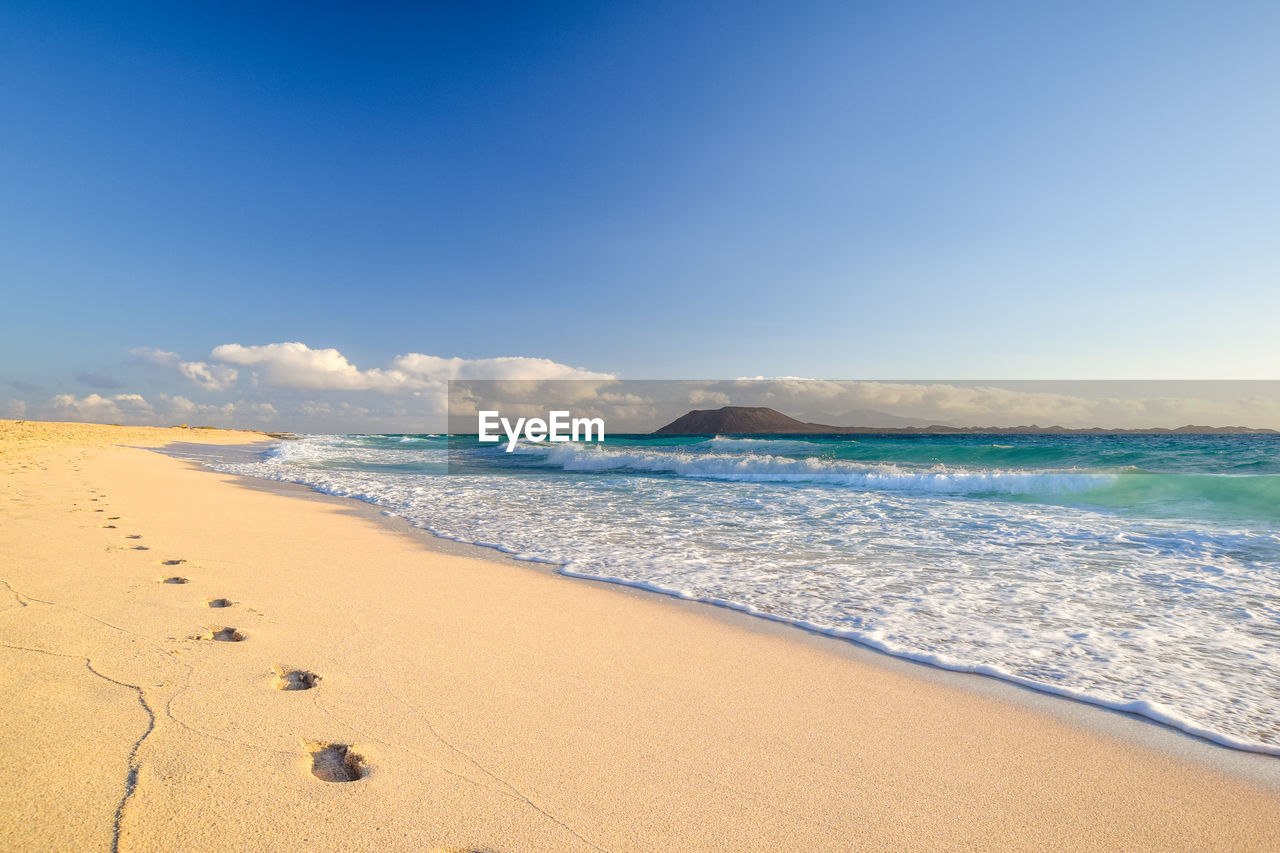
152,612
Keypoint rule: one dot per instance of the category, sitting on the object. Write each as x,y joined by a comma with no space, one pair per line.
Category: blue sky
841,190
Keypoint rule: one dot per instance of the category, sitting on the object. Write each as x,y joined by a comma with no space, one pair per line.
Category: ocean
1136,572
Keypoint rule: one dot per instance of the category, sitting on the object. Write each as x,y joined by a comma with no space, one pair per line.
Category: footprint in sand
220,634
288,678
173,579
218,602
132,535
109,526
172,562
113,518
335,762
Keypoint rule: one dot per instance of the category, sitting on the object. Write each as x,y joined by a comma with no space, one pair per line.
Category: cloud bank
641,406
296,365
286,385
289,385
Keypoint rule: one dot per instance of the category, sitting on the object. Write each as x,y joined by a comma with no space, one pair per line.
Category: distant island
761,420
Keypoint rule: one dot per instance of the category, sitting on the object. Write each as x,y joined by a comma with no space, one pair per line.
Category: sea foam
1152,592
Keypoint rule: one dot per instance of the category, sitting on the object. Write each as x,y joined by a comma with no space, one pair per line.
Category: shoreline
1250,765
478,704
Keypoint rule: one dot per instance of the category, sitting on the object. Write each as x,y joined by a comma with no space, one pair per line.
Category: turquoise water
1137,572
1232,478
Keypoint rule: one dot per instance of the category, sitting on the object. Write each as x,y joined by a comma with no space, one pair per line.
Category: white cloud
714,399
296,365
439,369
151,355
410,397
213,377
410,389
120,408
1165,404
166,410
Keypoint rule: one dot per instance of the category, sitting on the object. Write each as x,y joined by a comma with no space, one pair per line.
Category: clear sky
657,189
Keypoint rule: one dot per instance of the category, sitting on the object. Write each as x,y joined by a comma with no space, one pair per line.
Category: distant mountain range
871,418
761,420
